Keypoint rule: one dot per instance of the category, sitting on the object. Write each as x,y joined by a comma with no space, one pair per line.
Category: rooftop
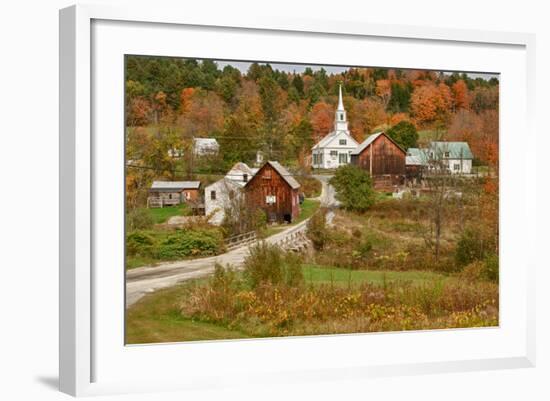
175,185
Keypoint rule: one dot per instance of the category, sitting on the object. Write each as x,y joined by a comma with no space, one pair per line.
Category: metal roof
175,185
416,157
456,150
285,174
366,143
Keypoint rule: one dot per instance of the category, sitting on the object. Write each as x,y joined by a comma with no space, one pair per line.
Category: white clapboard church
334,150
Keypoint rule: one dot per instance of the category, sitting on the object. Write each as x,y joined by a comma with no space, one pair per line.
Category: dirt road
143,280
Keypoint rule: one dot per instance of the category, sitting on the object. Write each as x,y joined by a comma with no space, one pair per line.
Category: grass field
162,214
316,274
156,317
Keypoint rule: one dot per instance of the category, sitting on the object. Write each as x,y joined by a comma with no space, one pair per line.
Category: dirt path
144,280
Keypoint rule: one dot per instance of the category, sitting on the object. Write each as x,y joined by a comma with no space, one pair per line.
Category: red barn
383,158
275,191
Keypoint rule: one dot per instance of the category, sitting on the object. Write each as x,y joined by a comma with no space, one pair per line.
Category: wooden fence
238,240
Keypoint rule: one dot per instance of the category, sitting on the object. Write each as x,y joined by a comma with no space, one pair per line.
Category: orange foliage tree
461,95
321,118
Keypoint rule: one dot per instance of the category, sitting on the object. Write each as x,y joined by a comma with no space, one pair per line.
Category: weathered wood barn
169,193
383,158
275,191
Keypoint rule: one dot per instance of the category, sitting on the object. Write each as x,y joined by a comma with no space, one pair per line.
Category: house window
169,196
343,158
213,195
343,142
457,167
267,174
270,199
334,153
245,177
446,154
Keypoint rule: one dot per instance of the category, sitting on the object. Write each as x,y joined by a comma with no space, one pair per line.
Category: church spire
340,120
340,101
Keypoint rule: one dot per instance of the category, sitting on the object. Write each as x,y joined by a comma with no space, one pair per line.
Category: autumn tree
364,116
431,103
461,95
383,91
321,118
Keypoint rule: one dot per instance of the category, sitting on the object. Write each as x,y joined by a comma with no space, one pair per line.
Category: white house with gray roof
334,150
456,157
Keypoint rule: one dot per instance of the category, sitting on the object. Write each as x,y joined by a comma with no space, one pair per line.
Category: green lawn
156,318
162,214
316,274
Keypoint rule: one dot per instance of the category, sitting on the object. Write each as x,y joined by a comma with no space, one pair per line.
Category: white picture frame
88,366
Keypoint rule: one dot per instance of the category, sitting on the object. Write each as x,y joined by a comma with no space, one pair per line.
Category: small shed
169,193
274,190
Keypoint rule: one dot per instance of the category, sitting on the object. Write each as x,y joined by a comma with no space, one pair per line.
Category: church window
343,142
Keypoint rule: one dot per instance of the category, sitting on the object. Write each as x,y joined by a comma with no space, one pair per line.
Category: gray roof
416,157
457,150
175,185
366,143
283,172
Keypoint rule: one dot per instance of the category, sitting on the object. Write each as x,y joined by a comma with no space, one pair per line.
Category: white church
334,150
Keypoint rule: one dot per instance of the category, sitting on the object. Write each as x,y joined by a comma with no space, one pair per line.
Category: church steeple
340,120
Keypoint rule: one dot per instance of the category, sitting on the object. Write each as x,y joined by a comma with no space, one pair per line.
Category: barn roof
370,139
366,143
283,172
175,185
457,150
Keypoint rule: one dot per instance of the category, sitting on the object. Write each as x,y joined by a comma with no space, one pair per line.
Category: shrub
317,230
139,243
472,245
486,269
183,243
268,264
354,188
311,187
139,219
491,268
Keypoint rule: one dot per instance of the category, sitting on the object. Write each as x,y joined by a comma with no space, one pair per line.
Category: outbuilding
274,190
169,193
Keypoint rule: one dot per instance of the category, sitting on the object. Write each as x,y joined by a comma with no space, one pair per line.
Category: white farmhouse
455,156
219,195
334,150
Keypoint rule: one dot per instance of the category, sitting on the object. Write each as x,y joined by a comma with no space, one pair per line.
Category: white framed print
269,200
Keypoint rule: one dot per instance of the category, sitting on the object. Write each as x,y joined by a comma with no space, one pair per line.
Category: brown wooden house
383,158
275,191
